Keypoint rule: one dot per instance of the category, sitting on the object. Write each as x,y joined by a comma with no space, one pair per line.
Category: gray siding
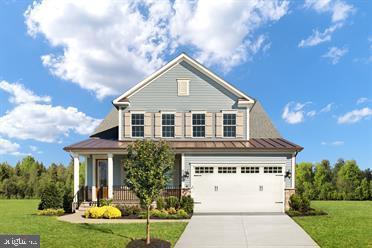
236,158
205,94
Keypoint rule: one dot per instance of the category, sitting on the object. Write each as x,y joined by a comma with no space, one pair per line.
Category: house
228,154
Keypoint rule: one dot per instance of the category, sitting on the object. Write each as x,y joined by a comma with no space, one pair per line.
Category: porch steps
84,206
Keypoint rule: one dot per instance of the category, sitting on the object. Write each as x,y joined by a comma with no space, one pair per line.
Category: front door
102,189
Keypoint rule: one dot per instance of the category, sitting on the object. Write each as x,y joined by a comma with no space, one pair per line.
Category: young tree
323,179
304,179
147,166
348,179
364,188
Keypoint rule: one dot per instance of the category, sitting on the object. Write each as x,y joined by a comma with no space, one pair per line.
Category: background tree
323,180
147,166
348,180
304,180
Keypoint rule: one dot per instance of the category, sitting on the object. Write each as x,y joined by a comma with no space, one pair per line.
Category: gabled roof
123,99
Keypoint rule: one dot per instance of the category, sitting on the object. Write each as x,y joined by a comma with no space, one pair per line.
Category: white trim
293,186
131,125
161,124
76,175
222,125
86,171
247,126
192,125
172,63
183,170
120,123
110,174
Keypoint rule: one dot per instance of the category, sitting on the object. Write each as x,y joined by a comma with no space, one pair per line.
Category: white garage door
237,188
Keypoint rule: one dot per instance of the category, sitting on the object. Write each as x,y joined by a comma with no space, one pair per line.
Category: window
198,125
203,170
229,125
225,170
167,125
183,87
272,169
138,125
250,170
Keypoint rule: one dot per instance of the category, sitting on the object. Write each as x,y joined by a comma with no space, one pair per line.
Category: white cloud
293,113
339,11
327,108
335,54
362,100
110,45
355,116
319,37
44,122
333,143
311,113
9,148
19,94
35,149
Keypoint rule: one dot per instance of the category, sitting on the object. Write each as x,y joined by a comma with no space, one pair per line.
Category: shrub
67,201
107,212
299,203
172,211
159,213
112,213
104,202
182,214
187,203
160,203
127,210
51,212
172,202
51,197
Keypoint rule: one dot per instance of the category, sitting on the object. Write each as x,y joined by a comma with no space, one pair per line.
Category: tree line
28,178
342,181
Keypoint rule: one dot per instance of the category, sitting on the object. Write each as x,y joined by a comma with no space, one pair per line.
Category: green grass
348,224
17,217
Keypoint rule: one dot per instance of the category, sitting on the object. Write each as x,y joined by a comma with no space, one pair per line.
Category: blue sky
309,63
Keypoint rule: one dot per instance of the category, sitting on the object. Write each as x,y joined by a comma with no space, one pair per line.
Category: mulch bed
155,243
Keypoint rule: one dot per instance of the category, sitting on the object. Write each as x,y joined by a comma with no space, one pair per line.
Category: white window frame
192,124
228,112
187,82
161,123
131,125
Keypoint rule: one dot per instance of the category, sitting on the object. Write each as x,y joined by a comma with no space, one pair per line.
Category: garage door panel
238,192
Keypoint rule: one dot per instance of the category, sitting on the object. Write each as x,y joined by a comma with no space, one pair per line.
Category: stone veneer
288,193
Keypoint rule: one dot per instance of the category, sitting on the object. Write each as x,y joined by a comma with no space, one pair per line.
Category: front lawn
348,224
17,217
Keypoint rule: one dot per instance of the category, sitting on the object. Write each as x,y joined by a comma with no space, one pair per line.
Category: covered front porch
105,176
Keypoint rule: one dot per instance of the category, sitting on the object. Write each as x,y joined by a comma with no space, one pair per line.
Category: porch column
110,173
86,171
182,170
293,170
94,179
76,176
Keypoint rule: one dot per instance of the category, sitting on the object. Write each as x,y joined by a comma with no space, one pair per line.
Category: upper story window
183,87
138,125
229,125
198,125
167,125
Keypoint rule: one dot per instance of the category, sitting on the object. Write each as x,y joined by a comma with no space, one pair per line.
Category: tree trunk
148,225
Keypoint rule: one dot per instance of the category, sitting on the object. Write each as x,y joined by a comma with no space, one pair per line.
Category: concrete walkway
77,218
238,231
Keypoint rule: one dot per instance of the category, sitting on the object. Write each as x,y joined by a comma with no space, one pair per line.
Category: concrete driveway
238,231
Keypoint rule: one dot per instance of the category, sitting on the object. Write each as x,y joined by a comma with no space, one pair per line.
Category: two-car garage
237,188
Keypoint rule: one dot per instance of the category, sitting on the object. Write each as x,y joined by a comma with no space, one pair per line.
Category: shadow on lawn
101,229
